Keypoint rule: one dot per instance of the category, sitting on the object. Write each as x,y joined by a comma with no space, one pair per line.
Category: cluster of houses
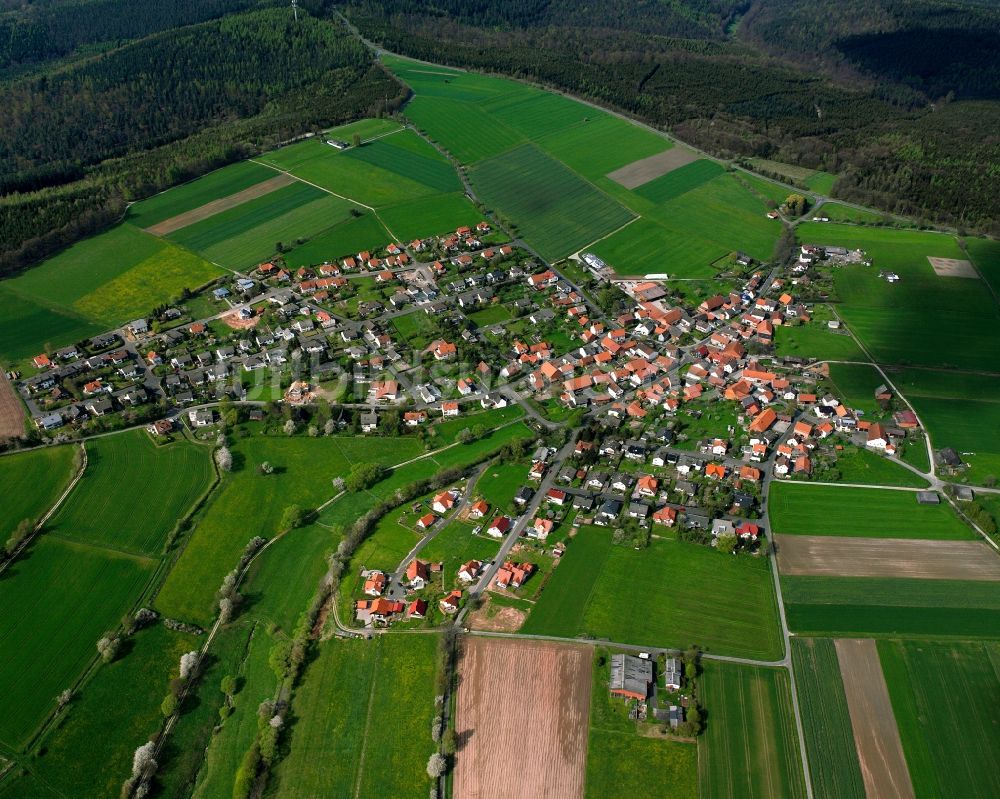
634,680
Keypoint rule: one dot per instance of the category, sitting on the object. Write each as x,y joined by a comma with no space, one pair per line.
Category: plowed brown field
11,410
522,718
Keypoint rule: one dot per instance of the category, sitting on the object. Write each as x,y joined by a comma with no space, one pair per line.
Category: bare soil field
834,556
218,206
876,737
11,410
233,320
522,719
497,619
646,169
953,267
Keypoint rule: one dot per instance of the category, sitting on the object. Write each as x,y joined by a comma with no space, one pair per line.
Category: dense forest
48,29
83,139
908,131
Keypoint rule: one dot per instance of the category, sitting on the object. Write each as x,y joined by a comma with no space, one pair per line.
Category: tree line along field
901,607
945,699
803,509
70,589
592,593
363,718
833,759
32,482
101,282
891,319
749,746
250,503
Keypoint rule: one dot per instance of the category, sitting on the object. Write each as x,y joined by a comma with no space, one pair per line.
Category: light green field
903,608
833,760
553,208
350,737
602,144
647,247
88,754
133,493
855,385
621,762
985,256
749,747
431,216
407,155
32,482
836,212
592,592
816,340
100,282
304,469
961,410
367,129
891,319
679,181
66,595
196,193
344,239
861,465
803,509
791,171
945,699
467,131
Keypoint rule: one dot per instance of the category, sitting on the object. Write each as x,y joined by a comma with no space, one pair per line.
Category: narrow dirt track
832,556
168,226
522,719
876,737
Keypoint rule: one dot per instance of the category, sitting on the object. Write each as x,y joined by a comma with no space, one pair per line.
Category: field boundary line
368,719
635,218
50,513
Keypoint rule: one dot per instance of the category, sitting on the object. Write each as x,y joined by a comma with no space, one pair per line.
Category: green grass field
106,280
196,193
859,465
257,684
816,340
621,762
905,608
467,131
596,586
833,760
679,181
133,493
836,212
985,256
945,699
247,234
456,545
749,747
407,155
554,209
431,216
802,509
500,482
363,714
32,482
647,247
91,751
891,319
343,239
66,595
855,385
249,504
960,410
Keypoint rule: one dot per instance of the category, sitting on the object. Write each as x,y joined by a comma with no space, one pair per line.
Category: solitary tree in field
189,663
330,427
356,139
107,647
289,427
